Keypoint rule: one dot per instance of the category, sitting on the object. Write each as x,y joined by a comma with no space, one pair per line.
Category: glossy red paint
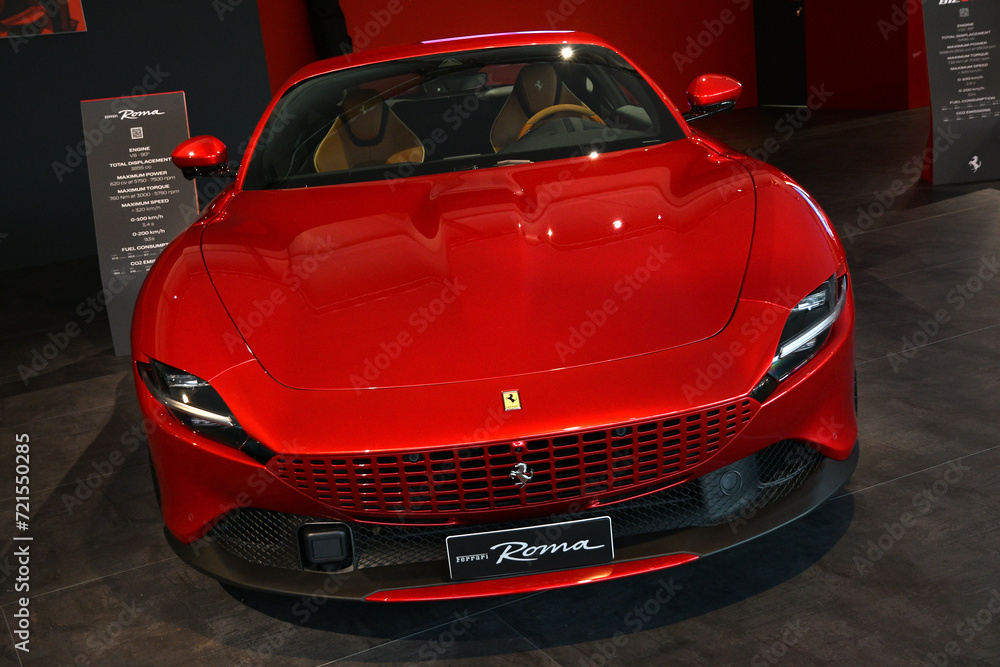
712,89
532,582
209,476
487,266
315,314
200,151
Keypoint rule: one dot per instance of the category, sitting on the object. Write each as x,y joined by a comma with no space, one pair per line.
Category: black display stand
964,68
140,198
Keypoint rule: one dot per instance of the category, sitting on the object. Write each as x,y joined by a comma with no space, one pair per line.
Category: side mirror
711,94
202,156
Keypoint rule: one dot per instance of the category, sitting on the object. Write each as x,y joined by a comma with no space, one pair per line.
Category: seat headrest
537,87
363,110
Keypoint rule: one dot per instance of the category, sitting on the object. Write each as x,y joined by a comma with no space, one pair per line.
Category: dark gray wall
212,50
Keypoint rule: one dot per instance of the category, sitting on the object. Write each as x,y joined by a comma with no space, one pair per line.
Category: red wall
288,41
920,90
868,53
650,33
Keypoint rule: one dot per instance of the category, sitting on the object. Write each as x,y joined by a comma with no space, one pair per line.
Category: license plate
554,546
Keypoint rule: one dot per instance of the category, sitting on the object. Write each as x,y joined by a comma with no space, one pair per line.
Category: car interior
366,133
450,116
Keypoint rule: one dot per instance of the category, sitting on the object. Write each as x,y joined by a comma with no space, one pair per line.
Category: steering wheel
553,110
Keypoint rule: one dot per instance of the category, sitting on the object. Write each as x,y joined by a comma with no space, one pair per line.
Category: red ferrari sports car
487,315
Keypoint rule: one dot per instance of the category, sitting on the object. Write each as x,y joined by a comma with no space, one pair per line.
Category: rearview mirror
711,94
202,156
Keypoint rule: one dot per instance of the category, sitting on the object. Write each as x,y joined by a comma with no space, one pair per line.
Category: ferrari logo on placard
511,400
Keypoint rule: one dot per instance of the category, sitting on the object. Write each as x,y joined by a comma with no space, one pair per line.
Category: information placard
964,68
139,196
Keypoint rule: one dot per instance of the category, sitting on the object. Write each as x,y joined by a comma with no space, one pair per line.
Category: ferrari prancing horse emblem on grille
511,400
521,474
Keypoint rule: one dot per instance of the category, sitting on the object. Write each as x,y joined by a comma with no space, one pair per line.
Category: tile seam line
936,342
65,414
13,641
916,220
434,627
90,581
921,270
915,472
530,643
51,489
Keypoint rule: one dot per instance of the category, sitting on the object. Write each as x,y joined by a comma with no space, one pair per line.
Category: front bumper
201,480
789,479
208,489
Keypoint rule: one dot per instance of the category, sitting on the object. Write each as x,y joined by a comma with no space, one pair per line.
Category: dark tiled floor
887,573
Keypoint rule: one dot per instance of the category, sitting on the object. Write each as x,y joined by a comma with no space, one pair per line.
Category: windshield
457,111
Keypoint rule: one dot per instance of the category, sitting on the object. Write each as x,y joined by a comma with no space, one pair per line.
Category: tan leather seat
366,134
537,87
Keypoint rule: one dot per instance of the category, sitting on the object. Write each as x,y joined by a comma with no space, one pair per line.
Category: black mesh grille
261,536
271,538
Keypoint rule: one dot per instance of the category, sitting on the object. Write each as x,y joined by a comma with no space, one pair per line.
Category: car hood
486,273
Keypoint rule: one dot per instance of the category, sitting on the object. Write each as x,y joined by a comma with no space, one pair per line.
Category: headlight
808,326
194,403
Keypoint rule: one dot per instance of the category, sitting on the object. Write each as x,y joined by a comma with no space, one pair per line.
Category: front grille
271,538
615,462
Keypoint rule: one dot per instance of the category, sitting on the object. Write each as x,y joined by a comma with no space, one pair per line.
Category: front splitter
415,582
